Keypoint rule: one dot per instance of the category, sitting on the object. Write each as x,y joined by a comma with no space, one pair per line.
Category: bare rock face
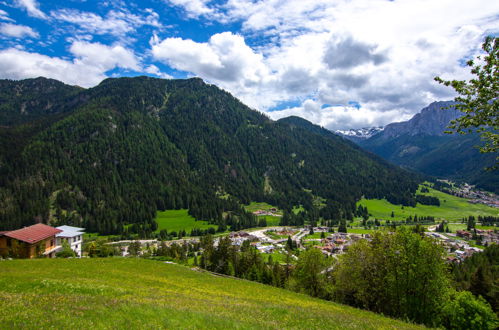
432,120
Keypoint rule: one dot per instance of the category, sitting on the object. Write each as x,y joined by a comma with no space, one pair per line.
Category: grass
315,235
360,231
451,208
272,221
276,257
176,220
255,206
298,209
117,293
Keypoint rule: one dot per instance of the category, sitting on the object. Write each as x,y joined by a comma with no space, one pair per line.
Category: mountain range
110,156
421,144
360,133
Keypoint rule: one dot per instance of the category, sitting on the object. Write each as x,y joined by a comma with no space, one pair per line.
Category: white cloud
103,57
32,7
338,117
225,59
17,31
92,61
152,69
194,8
4,16
18,64
382,54
117,23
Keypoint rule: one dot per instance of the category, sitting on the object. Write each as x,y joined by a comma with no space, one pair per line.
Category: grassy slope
137,293
271,220
451,208
176,220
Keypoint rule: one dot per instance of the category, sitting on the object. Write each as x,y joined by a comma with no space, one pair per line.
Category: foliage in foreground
66,251
479,97
480,275
404,275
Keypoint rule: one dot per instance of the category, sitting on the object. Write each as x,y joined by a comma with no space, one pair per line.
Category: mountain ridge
421,144
116,153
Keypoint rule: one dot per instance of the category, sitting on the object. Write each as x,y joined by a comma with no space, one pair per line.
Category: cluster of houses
239,237
457,250
272,211
477,196
40,240
486,236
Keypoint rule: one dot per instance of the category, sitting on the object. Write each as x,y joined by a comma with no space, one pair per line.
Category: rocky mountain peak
432,120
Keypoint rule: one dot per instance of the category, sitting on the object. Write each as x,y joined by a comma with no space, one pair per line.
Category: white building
73,235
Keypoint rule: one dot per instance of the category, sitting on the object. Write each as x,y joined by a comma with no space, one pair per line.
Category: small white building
73,235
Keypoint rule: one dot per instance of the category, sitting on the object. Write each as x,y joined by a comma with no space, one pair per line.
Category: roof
68,231
33,234
70,228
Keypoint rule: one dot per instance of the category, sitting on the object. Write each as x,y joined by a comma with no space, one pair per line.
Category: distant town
474,195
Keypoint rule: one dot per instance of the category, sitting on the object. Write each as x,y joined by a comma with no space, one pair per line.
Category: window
51,242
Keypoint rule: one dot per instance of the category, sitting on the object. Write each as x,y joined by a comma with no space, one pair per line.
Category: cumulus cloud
19,64
348,53
194,8
340,117
381,54
225,59
315,53
91,62
32,7
17,31
104,57
153,69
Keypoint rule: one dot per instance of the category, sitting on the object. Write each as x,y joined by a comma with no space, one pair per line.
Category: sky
340,64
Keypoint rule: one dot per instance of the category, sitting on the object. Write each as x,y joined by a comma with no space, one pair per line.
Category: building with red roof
29,242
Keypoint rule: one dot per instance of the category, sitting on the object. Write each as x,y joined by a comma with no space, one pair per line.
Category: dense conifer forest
112,155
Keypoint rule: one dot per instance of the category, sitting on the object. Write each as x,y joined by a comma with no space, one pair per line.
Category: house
73,235
29,242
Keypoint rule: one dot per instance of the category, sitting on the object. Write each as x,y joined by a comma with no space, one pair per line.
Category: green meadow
131,293
451,208
255,206
271,220
176,220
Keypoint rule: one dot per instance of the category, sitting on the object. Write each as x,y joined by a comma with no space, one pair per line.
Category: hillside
452,208
137,293
421,144
112,155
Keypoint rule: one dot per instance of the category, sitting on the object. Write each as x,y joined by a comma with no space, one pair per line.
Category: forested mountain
422,145
112,155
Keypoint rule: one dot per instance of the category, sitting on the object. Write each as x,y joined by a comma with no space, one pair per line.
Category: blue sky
341,64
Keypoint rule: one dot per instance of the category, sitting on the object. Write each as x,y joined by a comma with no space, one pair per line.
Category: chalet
72,235
29,242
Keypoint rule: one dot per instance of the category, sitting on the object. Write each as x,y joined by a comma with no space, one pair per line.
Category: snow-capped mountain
360,133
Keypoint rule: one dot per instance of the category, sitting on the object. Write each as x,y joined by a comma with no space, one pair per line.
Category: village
41,240
476,196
